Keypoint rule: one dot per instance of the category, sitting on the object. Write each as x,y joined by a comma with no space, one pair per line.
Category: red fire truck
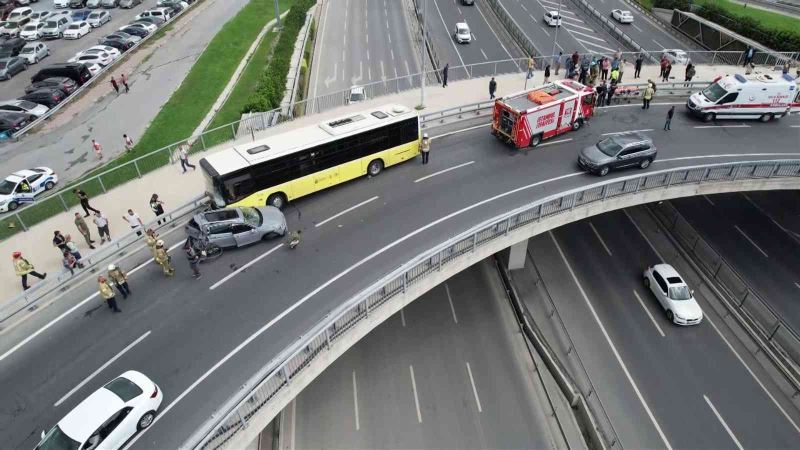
527,118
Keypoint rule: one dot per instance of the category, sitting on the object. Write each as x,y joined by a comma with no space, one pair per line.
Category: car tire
49,185
670,316
603,171
708,117
12,206
36,60
374,167
577,125
765,117
647,282
535,140
277,200
645,163
146,420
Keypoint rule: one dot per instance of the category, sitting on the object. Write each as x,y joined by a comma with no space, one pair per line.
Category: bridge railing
279,373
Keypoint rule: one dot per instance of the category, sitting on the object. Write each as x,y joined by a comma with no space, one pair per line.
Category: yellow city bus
298,162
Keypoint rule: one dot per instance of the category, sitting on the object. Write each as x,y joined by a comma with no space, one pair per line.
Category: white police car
22,186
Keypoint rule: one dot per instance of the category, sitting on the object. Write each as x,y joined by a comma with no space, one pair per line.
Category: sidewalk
176,189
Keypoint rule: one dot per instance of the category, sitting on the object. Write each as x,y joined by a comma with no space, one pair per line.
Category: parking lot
62,49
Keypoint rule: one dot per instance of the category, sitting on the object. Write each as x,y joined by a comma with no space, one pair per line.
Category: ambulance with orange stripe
758,96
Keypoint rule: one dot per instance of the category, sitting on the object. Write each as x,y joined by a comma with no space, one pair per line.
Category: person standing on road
107,293
157,206
124,81
556,63
425,147
102,227
128,142
84,200
114,84
183,155
150,239
638,66
98,149
120,278
23,268
134,221
444,74
83,229
647,96
492,88
193,258
163,259
667,124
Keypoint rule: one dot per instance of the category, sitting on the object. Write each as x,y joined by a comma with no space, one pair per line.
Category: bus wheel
765,117
536,140
277,200
577,125
374,167
708,117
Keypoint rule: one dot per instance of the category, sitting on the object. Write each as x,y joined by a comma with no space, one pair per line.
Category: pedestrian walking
59,241
748,56
83,229
690,71
157,206
183,155
73,249
23,268
492,88
193,258
102,227
425,148
120,278
670,113
84,200
134,221
444,74
114,84
107,293
667,71
557,62
531,65
128,142
98,149
647,96
163,259
70,262
638,66
124,81
151,238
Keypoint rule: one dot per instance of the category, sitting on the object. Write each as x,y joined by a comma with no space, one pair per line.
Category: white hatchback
622,16
552,18
462,33
109,417
77,30
673,294
32,31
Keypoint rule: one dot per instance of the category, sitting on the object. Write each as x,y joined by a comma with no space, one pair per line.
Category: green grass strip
767,19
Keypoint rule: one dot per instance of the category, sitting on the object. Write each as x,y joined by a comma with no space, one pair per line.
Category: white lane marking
560,141
499,41
638,29
74,308
102,368
639,105
647,311
724,424
795,126
625,132
450,300
571,25
646,239
474,389
659,45
383,72
702,127
321,42
408,71
589,35
728,155
751,241
600,238
451,40
766,214
443,171
484,54
403,318
709,200
459,131
355,401
523,7
391,51
797,284
611,344
591,43
368,60
414,389
752,374
244,267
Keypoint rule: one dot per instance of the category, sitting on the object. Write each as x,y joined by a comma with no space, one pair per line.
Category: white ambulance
758,96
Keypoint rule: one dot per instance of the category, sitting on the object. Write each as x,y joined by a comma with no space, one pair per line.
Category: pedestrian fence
257,393
758,314
94,262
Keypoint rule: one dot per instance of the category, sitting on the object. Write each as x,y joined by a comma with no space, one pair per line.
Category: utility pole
555,36
277,15
424,30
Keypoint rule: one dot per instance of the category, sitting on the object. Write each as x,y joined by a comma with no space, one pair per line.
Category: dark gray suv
618,151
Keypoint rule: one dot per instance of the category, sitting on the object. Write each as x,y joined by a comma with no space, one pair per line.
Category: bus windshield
714,92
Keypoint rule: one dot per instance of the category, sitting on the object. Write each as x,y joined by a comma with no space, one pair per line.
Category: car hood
273,217
594,155
688,309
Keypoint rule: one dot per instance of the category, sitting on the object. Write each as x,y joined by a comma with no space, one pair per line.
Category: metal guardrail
278,374
111,252
513,28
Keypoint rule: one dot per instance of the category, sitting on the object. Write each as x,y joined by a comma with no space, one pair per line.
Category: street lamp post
277,14
424,23
555,36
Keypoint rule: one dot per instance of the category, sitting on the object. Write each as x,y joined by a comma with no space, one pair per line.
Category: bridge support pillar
516,255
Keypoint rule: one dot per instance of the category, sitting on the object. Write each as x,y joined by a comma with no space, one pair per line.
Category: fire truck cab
529,117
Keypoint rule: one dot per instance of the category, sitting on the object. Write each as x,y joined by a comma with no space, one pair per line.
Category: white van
758,96
552,18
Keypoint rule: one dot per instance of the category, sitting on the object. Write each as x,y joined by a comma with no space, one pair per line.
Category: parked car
6,6
112,52
67,85
77,3
467,2
77,30
23,107
98,18
11,47
47,96
32,32
77,72
93,4
60,3
93,68
147,26
80,15
356,94
157,21
121,46
10,29
108,4
164,13
673,294
20,15
40,16
462,33
552,18
101,58
34,52
23,186
675,56
54,27
10,123
235,227
622,16
618,151
128,4
122,36
174,6
12,66
109,417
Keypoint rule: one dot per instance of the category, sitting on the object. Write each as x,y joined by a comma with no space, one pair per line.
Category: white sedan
77,30
149,27
675,56
94,68
114,53
24,185
32,31
34,52
622,16
462,33
98,18
101,58
24,106
60,3
673,294
109,417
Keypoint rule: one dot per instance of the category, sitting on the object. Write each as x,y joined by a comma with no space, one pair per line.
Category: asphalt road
474,379
361,42
762,250
193,327
662,385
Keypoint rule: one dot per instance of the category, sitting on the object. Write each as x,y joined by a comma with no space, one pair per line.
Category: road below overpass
205,338
662,385
644,31
474,384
